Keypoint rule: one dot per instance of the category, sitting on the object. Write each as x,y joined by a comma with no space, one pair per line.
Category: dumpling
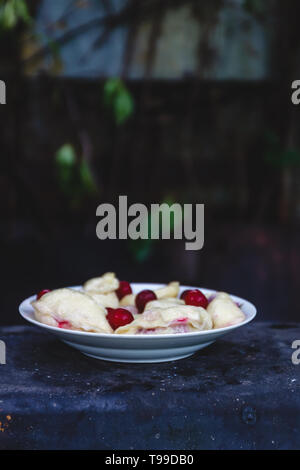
127,300
169,291
176,319
71,309
165,303
105,300
103,284
224,311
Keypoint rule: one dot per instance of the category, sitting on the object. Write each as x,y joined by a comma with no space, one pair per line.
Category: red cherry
196,298
110,310
119,317
143,298
41,293
124,289
184,294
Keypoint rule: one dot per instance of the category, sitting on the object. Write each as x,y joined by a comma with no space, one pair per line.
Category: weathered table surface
240,393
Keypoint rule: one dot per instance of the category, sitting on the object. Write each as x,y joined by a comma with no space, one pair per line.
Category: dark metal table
240,393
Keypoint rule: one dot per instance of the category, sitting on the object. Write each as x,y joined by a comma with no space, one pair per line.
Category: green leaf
74,177
65,160
123,107
66,156
12,11
110,90
86,177
118,99
22,11
8,16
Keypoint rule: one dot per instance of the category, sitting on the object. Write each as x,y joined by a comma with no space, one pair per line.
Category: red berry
143,298
119,317
41,293
196,298
124,289
184,294
110,310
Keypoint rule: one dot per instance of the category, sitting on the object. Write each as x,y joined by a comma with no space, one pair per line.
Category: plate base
140,361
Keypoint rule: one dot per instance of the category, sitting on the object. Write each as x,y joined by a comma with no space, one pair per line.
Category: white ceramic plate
139,348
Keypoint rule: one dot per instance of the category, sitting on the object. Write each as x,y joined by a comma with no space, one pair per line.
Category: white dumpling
171,290
224,311
103,284
176,319
105,300
127,300
165,303
71,309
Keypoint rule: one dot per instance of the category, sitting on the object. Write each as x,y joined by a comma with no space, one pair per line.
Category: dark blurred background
164,101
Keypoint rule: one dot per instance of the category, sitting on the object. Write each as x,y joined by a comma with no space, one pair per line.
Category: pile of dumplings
91,308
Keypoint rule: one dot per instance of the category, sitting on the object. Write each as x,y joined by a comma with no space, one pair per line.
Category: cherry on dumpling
123,289
195,297
118,317
143,298
184,293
